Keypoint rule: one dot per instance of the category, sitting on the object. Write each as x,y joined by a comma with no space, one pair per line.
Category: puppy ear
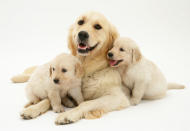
71,43
50,71
136,55
79,72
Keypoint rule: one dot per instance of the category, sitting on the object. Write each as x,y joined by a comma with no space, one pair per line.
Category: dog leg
103,104
32,103
137,93
94,114
55,100
35,110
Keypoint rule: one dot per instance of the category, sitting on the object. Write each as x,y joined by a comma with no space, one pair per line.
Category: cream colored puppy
55,80
140,75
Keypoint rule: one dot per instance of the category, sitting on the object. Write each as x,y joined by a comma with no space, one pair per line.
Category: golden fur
101,85
24,77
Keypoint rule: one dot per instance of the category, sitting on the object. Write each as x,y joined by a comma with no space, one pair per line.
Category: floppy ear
79,72
71,43
50,71
136,55
113,35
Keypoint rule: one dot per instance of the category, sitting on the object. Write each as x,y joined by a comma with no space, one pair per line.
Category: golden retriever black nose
56,81
83,35
110,55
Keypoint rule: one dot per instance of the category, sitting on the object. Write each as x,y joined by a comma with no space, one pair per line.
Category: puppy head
124,52
91,34
65,68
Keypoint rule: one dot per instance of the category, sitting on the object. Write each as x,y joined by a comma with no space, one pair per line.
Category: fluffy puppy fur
101,85
140,75
54,80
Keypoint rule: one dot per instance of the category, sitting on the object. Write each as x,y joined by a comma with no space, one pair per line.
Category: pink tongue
113,62
82,47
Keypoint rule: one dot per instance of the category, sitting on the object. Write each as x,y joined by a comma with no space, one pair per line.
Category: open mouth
83,48
115,62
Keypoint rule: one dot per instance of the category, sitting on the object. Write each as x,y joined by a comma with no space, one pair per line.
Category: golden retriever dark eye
64,70
121,49
97,26
53,69
80,22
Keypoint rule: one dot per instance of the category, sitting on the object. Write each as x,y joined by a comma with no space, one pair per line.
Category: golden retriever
54,80
142,76
90,38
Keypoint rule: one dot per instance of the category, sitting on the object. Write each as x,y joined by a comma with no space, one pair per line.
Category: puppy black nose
110,55
83,35
56,81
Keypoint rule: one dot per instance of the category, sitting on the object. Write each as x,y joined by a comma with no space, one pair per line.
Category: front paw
134,101
29,113
67,118
58,109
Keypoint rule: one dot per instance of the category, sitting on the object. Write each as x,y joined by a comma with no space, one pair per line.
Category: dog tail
24,77
175,86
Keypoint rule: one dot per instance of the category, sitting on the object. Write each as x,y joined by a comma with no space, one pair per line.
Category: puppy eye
64,70
80,22
121,49
53,69
97,26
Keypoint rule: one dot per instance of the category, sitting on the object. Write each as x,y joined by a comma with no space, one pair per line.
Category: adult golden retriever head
91,35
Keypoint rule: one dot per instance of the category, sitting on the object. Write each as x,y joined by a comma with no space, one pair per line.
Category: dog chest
100,83
89,87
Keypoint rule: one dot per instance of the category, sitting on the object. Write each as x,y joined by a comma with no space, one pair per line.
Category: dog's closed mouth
115,62
83,48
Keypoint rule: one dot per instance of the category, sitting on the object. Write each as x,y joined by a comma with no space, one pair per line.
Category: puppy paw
58,109
134,101
67,118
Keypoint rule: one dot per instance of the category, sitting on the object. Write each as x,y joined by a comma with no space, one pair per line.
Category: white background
34,31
